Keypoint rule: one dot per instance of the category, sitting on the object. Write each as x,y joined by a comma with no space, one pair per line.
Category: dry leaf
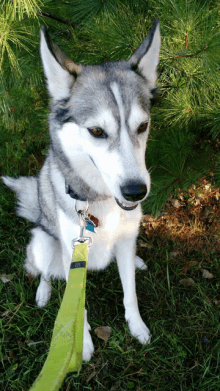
13,356
29,342
207,212
174,254
208,186
6,277
116,386
103,332
6,313
91,376
206,274
176,203
187,282
147,218
197,201
141,243
30,277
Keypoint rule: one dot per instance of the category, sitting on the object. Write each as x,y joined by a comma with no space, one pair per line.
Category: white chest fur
114,225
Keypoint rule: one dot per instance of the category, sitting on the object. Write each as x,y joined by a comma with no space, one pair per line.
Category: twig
190,55
134,373
18,307
58,18
173,183
186,41
207,332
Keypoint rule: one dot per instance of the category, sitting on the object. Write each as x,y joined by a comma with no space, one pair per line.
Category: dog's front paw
88,347
139,263
43,293
139,330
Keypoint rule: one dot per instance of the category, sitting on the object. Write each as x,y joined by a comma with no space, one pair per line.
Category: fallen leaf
176,203
174,254
29,342
13,356
187,282
91,376
6,313
206,274
103,332
144,244
147,218
206,213
197,201
6,277
30,277
116,386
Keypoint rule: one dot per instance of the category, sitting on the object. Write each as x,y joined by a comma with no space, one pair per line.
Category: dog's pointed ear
146,58
60,70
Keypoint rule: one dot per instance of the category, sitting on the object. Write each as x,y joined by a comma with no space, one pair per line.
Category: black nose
134,191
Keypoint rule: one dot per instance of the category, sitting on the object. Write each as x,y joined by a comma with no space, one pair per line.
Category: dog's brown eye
97,132
142,127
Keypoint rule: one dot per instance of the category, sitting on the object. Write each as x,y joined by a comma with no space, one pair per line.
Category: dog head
100,116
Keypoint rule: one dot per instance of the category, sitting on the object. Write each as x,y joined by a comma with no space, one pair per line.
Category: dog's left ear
146,58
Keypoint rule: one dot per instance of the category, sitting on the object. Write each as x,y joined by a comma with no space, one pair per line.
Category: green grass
184,353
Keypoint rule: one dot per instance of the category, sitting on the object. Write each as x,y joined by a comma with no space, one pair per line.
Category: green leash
65,354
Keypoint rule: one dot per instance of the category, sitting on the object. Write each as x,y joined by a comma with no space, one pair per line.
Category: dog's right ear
59,69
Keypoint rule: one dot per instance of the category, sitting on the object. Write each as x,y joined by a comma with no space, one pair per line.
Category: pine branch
58,18
190,55
171,184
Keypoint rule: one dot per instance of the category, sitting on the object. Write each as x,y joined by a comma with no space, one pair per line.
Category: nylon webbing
65,353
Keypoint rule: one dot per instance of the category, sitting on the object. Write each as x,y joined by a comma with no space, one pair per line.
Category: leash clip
81,209
81,240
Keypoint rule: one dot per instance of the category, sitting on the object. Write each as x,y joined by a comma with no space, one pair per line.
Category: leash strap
65,353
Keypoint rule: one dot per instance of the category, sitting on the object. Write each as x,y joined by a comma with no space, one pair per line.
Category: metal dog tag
90,226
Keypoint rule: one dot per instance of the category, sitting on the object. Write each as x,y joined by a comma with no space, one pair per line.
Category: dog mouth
127,205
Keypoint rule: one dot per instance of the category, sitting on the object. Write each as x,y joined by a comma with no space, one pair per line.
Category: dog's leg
88,348
139,263
43,254
125,256
43,292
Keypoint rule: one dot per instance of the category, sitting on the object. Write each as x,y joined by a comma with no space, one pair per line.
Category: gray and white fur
99,124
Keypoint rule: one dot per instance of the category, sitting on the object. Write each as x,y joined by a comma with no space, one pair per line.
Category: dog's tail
26,189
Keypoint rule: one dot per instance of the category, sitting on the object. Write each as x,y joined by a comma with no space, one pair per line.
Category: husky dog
99,124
